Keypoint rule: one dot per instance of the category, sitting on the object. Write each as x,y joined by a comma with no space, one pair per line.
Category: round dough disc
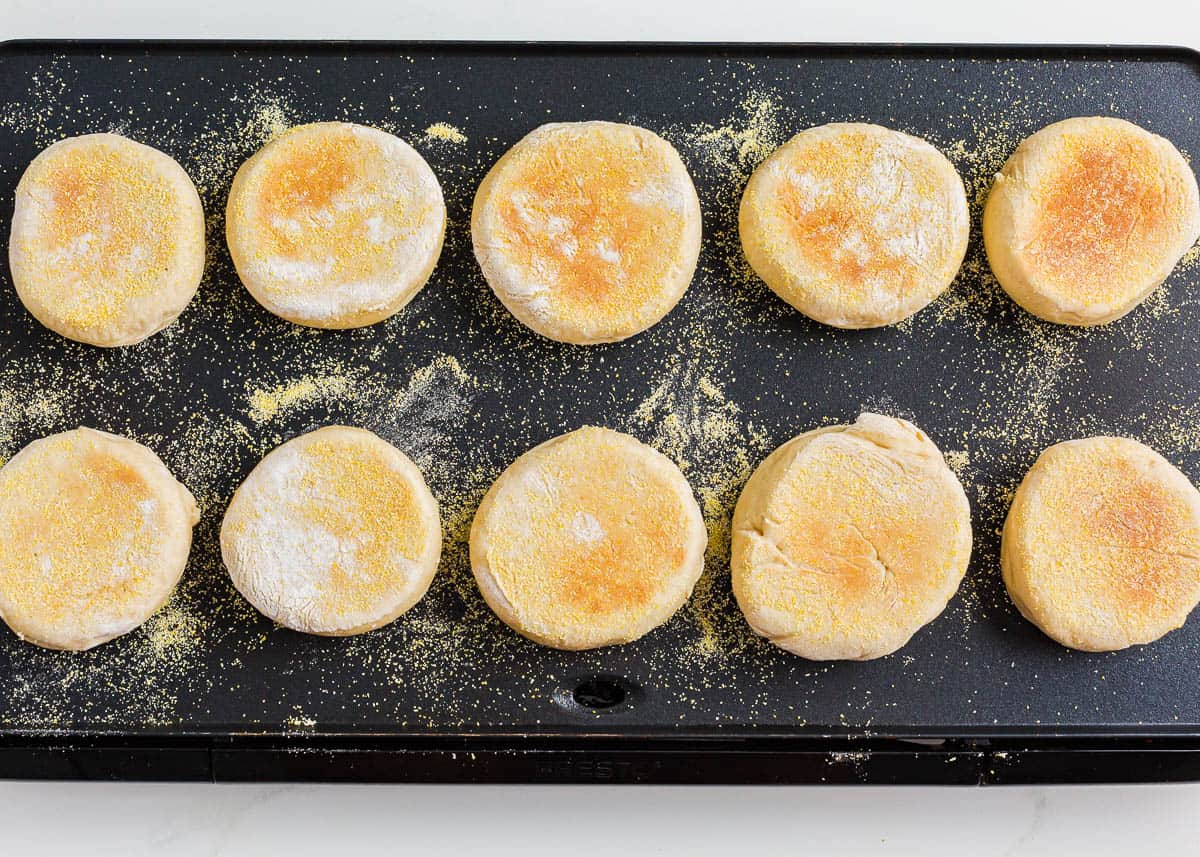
107,242
588,231
1101,548
848,539
332,533
590,539
335,225
855,225
96,535
1088,217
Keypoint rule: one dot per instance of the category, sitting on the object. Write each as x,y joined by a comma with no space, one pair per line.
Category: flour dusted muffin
855,225
107,243
590,539
333,532
1101,548
335,225
96,535
848,539
1088,217
588,231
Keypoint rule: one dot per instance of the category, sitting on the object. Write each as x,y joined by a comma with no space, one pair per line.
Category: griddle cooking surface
463,388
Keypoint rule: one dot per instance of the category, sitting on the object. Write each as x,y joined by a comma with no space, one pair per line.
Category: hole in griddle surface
599,692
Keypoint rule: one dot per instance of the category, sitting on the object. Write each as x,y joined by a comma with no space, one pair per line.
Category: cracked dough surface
332,533
590,539
335,225
588,231
1088,217
848,539
855,225
107,243
1101,547
96,535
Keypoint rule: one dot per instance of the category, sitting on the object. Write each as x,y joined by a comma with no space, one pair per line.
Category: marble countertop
188,820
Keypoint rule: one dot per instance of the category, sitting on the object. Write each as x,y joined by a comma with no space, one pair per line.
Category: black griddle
210,690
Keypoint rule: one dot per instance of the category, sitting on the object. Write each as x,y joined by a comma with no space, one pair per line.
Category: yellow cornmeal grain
445,133
265,404
398,407
443,369
745,142
268,404
299,722
41,114
1173,430
958,460
33,409
266,123
173,628
202,449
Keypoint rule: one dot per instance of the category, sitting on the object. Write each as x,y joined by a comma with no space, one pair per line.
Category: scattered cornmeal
96,535
335,225
107,242
590,539
588,231
848,539
1101,548
855,225
333,533
1088,217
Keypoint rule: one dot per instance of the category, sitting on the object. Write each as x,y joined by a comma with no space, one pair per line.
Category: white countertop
221,821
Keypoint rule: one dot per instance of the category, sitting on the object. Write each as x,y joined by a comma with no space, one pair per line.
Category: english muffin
334,532
590,539
107,243
96,535
588,231
1101,548
335,225
855,225
848,539
1088,217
